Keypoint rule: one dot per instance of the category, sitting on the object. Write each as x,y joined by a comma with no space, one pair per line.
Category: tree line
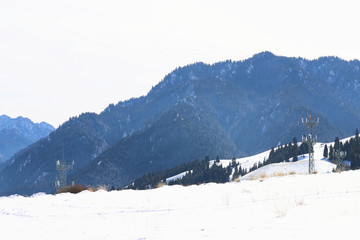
201,171
197,172
351,148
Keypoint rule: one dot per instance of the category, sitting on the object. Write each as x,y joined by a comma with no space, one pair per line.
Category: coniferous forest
204,171
287,152
351,148
197,172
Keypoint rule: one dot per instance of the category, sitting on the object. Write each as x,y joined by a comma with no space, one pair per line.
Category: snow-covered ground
246,162
178,176
319,206
322,165
296,206
289,168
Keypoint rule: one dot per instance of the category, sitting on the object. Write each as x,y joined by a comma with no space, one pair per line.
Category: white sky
61,58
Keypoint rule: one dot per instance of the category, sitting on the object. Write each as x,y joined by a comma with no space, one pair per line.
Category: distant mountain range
226,109
18,133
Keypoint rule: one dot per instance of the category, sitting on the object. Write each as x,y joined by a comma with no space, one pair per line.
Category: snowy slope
322,165
289,168
321,206
178,176
246,162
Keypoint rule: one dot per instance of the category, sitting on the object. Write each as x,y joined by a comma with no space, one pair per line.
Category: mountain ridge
258,103
17,133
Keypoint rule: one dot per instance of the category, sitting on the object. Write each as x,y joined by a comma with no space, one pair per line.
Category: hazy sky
61,58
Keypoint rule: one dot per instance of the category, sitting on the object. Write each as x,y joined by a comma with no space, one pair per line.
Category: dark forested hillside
176,137
241,107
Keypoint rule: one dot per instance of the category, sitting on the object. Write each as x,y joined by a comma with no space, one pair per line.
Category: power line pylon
62,167
310,140
339,157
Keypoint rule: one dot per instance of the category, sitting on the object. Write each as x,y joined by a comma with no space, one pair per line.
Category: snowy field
319,206
295,206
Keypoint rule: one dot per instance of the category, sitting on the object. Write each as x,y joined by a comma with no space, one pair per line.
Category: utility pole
62,168
310,140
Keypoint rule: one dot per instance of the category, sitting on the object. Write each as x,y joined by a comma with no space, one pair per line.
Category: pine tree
304,148
217,159
337,144
355,162
207,158
326,151
341,147
331,152
295,158
295,141
254,167
295,150
357,137
236,173
271,155
233,162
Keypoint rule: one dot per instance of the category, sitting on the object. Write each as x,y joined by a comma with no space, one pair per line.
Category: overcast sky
61,58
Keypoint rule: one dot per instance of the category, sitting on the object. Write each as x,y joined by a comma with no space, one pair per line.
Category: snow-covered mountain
230,109
17,133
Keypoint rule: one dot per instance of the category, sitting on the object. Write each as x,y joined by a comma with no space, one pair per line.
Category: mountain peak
17,133
264,54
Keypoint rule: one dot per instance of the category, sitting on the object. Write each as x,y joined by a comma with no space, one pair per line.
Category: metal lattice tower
310,140
62,167
339,156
